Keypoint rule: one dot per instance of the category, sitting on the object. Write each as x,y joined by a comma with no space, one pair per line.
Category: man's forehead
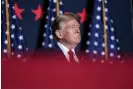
68,23
72,22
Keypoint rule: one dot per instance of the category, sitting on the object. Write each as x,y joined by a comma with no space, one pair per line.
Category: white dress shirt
65,52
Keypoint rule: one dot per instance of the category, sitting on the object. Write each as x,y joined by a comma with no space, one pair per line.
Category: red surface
57,74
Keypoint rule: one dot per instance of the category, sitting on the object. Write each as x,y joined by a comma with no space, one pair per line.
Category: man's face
71,32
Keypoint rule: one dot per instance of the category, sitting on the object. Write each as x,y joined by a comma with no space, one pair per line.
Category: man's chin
77,42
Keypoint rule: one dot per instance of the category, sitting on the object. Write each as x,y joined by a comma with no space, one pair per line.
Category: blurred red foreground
59,74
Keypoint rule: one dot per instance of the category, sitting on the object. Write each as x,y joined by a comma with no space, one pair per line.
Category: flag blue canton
48,41
16,34
95,43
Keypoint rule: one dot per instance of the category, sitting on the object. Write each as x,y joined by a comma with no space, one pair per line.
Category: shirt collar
64,48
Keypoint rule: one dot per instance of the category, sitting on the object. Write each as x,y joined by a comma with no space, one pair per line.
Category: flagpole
57,7
8,30
131,13
105,33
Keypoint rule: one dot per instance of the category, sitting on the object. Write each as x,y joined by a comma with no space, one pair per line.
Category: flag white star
87,51
96,34
61,3
44,35
117,40
119,56
5,51
103,53
14,16
50,29
111,21
102,61
112,29
98,8
2,2
12,44
54,10
52,19
99,0
98,17
90,25
118,48
111,46
94,51
43,43
20,37
48,9
106,1
20,28
103,45
88,42
19,47
54,1
8,5
51,36
27,49
97,26
46,26
18,56
12,35
50,45
6,42
96,43
89,33
106,27
94,59
106,10
112,38
106,18
12,53
111,54
13,26
61,12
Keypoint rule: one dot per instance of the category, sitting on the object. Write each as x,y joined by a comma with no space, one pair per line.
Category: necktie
71,56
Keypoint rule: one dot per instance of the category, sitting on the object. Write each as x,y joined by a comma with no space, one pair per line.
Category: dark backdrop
119,10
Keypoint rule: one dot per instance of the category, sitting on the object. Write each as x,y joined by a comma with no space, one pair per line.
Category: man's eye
72,26
78,26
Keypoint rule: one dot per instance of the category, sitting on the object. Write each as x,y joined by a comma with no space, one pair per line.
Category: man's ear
58,34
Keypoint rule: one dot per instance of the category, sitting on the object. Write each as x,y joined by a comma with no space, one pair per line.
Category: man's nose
77,30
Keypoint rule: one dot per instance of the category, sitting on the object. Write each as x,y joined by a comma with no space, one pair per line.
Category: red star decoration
38,12
82,15
18,11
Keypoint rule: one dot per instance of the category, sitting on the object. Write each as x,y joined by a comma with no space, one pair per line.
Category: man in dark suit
66,31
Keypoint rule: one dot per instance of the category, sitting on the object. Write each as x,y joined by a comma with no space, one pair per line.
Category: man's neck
69,46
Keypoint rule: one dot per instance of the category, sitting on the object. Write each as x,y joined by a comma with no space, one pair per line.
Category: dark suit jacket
59,51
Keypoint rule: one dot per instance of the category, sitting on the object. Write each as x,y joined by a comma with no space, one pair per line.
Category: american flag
95,43
48,41
17,45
